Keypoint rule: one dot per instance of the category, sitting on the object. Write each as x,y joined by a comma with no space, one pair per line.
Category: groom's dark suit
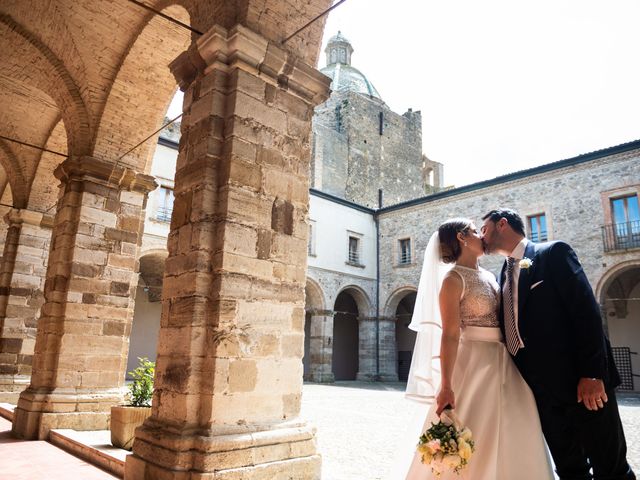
561,328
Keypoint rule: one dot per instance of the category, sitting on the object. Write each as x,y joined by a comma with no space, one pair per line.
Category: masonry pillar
83,332
367,349
229,367
321,346
22,277
388,350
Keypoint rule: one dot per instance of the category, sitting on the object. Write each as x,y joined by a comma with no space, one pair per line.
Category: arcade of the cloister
88,82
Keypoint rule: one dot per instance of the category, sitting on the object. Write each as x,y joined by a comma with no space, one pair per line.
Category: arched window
334,56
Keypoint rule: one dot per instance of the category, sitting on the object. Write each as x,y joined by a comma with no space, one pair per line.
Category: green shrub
141,390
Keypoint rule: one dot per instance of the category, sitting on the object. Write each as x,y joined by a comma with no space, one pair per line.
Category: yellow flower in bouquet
446,445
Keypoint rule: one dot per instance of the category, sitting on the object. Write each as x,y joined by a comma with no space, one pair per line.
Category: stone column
83,332
229,365
22,277
367,349
321,346
388,350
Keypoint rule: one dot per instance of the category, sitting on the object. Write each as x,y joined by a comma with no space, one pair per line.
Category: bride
460,360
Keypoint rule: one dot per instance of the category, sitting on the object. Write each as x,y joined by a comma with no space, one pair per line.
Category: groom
553,330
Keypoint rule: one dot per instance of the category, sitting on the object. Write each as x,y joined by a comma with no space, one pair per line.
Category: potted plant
126,418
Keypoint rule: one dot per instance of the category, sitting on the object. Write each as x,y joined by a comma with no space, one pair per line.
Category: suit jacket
560,324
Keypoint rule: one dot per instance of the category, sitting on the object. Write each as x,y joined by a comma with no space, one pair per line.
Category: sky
503,85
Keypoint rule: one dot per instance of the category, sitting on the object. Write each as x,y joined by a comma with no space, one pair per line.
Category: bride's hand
445,398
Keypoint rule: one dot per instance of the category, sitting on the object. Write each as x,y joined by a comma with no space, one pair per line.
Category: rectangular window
626,221
405,251
538,228
625,209
354,250
165,204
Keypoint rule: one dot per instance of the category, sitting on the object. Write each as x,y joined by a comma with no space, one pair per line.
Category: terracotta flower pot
124,421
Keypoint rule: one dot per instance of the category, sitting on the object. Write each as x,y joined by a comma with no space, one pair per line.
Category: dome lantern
338,50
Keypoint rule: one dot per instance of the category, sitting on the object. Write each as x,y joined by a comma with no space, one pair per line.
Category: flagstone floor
360,427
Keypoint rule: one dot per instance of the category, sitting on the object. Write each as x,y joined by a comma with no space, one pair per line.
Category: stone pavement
360,425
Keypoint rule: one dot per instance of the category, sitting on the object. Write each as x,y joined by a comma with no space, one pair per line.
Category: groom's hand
591,393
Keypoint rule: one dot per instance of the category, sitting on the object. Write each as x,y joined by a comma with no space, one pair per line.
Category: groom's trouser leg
561,435
602,435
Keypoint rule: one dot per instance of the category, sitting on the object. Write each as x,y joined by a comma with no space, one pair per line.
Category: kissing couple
524,362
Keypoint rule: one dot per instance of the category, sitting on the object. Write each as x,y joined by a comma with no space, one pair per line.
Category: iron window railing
621,236
539,237
163,214
405,252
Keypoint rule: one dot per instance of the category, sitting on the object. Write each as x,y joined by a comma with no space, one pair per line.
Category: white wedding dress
492,399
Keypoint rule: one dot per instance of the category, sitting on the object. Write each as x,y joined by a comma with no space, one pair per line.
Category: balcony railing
163,214
539,237
621,236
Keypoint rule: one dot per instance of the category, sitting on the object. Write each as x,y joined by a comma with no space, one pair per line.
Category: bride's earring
465,244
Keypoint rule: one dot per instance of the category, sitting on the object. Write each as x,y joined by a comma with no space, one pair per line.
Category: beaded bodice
480,297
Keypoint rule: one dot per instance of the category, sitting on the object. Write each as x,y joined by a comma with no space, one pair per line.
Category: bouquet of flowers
446,445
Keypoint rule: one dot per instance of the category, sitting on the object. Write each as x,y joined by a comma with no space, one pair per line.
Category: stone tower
359,144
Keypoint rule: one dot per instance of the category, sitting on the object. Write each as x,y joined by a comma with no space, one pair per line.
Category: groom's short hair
512,217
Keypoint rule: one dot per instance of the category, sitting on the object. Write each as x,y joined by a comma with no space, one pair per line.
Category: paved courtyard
360,426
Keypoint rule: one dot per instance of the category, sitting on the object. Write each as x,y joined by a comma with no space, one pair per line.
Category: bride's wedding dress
492,399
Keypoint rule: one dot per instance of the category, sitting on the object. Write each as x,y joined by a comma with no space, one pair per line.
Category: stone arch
619,295
365,306
147,310
15,176
399,340
44,187
314,296
394,299
142,89
152,264
44,70
609,275
349,308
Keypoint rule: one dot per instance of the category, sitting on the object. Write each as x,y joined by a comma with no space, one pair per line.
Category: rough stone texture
102,70
79,359
22,279
229,356
570,197
352,159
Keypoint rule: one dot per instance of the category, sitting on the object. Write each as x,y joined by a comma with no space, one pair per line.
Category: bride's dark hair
448,235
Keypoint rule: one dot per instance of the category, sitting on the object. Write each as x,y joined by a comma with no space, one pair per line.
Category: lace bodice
480,297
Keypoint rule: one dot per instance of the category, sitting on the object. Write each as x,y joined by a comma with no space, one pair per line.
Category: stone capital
20,216
242,48
120,176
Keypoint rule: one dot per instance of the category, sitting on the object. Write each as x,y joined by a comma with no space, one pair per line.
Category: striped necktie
514,343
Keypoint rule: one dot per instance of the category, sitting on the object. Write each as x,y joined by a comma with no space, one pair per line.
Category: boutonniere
525,263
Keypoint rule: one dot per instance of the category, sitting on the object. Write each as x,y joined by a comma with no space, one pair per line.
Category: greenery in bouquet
446,445
141,390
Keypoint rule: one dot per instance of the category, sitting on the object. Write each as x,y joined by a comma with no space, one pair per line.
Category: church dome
342,74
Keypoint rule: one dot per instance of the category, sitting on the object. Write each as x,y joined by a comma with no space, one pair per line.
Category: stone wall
570,197
354,155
